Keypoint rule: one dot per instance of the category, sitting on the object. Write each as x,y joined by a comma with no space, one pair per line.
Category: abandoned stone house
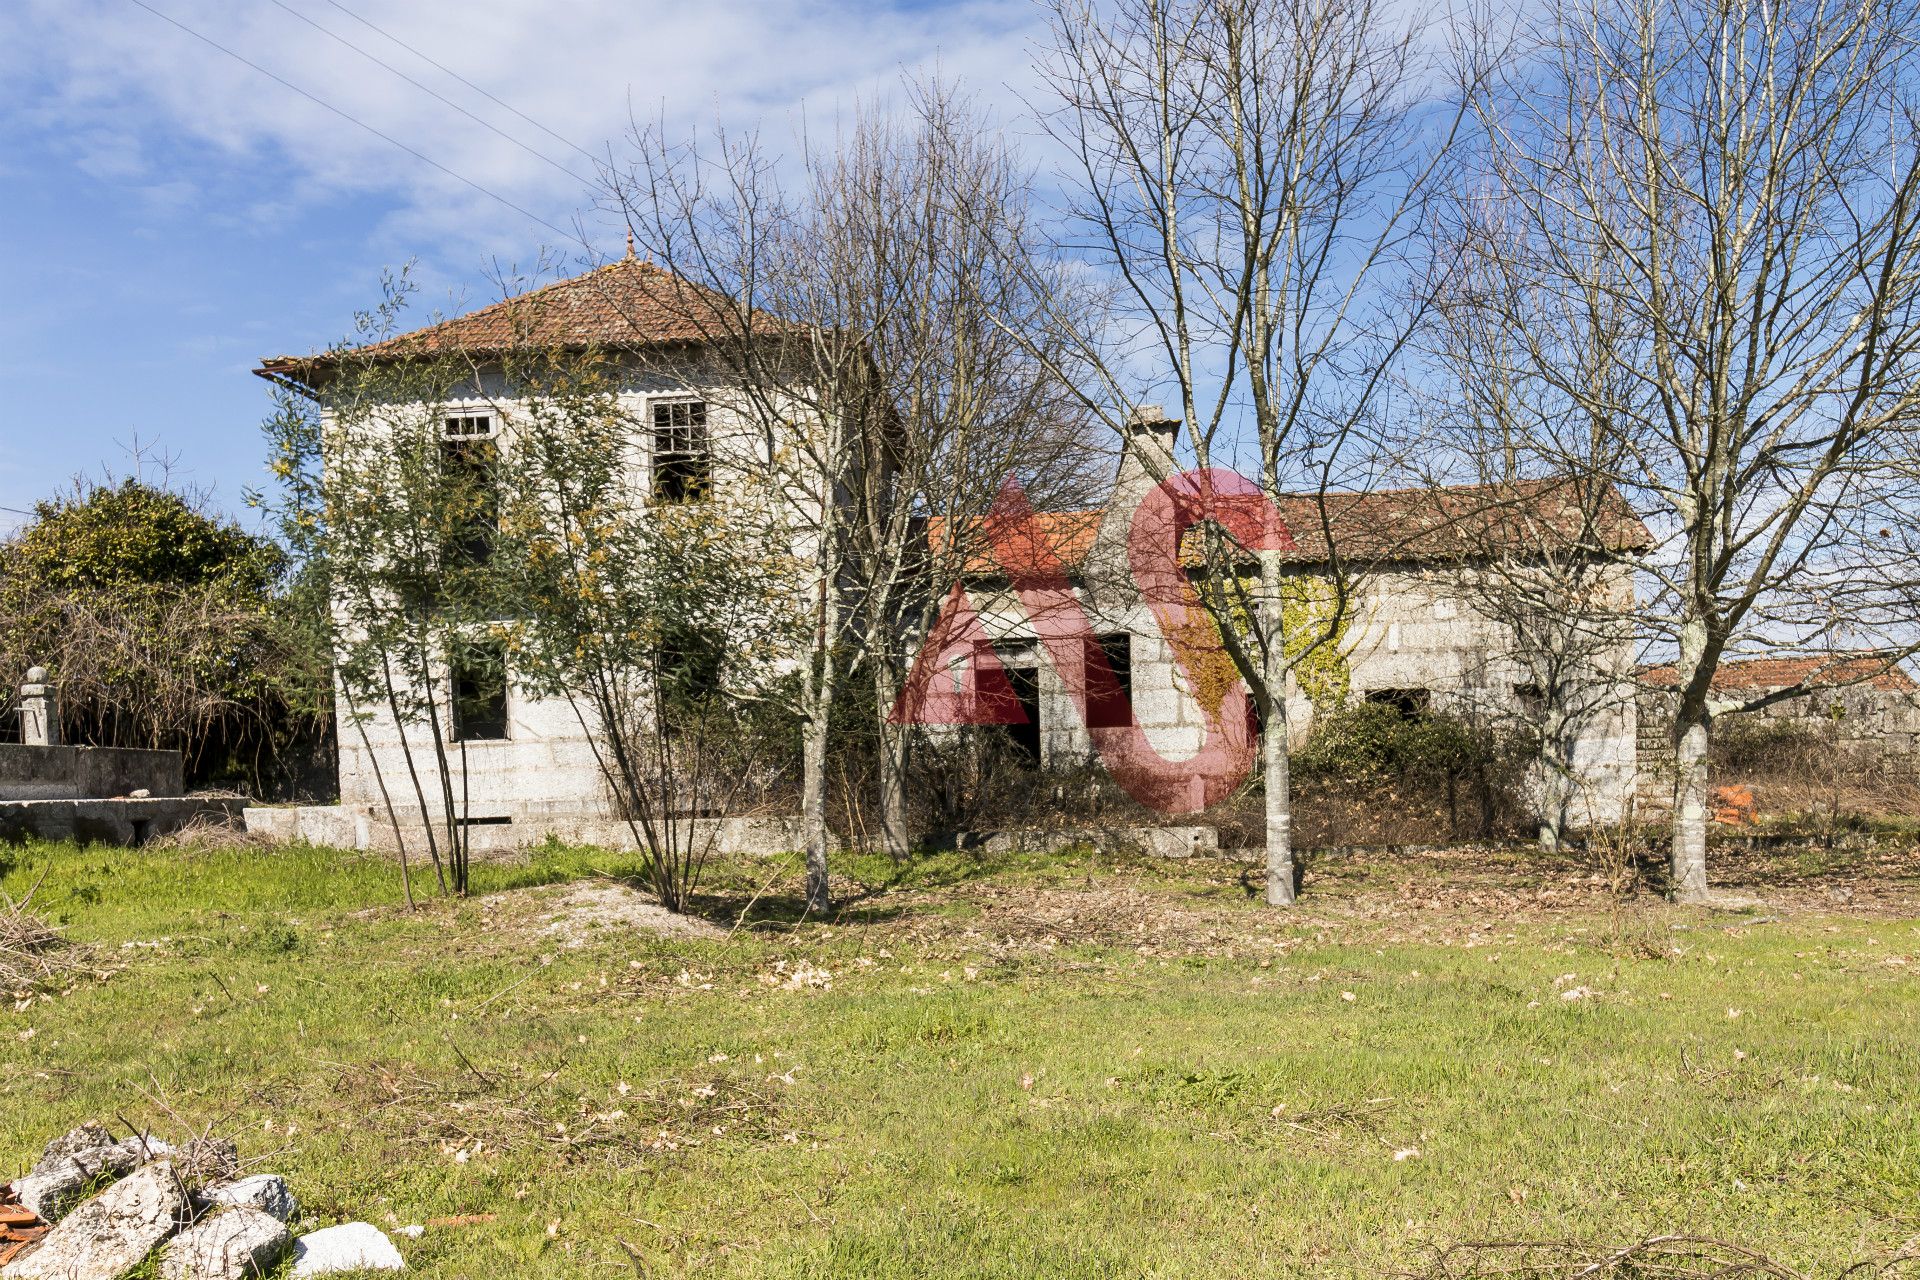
1412,636
524,766
529,770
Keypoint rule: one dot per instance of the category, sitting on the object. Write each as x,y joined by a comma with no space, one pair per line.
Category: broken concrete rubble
266,1192
71,1165
187,1201
78,1141
232,1244
110,1234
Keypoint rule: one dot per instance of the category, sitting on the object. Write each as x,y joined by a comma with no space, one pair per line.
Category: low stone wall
85,773
1862,720
121,822
352,827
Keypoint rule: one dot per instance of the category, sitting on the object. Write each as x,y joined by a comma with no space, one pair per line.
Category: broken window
682,453
689,663
469,462
1410,703
1111,707
479,678
1532,700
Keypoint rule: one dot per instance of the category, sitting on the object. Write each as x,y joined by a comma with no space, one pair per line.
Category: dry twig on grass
34,956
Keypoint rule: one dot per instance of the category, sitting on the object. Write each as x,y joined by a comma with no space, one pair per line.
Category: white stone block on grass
353,1246
267,1192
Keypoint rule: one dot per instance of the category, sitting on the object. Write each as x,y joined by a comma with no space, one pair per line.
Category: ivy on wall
1315,640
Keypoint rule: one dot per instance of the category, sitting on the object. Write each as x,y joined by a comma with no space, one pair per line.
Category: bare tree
661,625
858,300
1252,173
1696,228
1541,558
959,305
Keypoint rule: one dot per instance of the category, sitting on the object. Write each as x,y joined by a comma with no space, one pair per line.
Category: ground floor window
1408,702
479,679
1114,710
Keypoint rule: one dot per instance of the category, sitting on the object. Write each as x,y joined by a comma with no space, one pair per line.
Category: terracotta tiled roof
1460,521
1759,675
627,303
1069,534
1422,525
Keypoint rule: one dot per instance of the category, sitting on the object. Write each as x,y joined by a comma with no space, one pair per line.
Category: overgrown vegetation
665,627
1799,774
166,626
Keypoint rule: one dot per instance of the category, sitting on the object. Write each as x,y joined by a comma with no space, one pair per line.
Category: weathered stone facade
1413,633
1857,705
534,772
539,776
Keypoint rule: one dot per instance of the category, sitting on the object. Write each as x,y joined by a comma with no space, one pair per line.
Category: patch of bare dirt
588,910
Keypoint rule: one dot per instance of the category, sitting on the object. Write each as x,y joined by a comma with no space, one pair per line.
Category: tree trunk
892,768
386,799
1692,717
1689,870
813,799
1549,830
1556,784
1277,749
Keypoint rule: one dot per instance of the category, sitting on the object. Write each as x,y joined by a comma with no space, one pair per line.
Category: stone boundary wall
119,822
86,773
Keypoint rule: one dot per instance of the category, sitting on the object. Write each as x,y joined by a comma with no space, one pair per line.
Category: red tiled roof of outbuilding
1418,525
1817,672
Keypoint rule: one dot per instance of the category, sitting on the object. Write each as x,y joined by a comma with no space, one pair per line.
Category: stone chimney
1146,458
1150,436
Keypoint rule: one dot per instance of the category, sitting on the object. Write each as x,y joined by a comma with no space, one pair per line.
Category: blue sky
171,215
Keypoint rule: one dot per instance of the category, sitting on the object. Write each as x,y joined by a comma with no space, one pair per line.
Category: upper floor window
469,461
682,453
469,426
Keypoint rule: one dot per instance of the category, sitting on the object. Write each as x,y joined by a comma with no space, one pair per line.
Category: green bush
1369,740
166,626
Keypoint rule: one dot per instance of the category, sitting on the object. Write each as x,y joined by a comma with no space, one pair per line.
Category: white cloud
124,91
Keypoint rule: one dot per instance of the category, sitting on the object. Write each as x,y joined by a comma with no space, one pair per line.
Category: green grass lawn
1023,1068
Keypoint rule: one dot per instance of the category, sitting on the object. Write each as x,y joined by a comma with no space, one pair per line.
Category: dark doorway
1025,679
